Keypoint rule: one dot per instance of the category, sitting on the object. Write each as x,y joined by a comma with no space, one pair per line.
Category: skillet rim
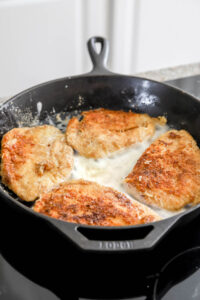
89,75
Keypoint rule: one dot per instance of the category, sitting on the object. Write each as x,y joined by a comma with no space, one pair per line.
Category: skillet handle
82,236
99,60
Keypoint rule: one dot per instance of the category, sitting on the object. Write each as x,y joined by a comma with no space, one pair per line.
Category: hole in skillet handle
99,234
135,238
99,58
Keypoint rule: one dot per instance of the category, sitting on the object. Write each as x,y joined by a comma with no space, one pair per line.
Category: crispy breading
102,132
167,175
86,202
35,159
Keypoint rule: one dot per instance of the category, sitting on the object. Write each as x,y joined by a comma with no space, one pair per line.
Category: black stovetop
177,278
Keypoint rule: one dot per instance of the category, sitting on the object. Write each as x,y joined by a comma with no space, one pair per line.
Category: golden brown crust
102,132
34,159
86,202
167,175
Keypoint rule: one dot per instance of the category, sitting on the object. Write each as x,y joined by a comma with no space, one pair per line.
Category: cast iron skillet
101,88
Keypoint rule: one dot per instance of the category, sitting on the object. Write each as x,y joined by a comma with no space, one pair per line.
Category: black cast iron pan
101,88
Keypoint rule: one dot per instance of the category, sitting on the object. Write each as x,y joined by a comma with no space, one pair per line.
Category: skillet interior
69,95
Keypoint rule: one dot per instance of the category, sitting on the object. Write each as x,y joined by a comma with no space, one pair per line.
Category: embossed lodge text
113,245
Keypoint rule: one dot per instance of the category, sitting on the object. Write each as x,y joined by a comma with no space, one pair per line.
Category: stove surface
176,277
189,84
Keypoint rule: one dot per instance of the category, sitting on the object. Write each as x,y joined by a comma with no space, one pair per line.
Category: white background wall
45,39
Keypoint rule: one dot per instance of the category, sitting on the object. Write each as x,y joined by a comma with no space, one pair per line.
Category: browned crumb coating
102,132
86,202
167,175
34,159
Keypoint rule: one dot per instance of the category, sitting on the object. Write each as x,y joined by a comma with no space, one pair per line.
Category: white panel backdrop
45,39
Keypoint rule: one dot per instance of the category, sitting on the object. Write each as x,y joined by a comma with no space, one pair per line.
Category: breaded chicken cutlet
34,159
102,132
86,202
167,175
